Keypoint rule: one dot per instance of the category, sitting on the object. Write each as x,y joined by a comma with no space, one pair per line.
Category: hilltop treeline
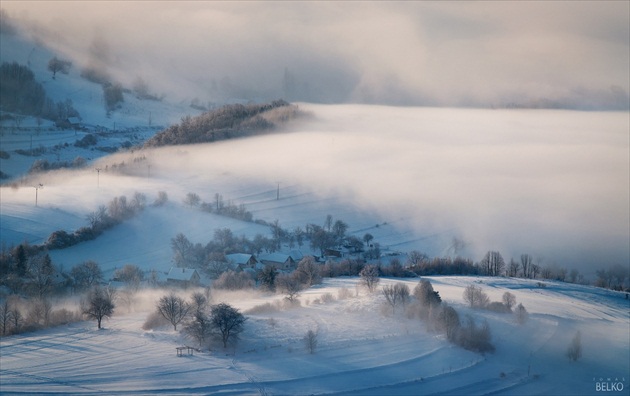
227,122
20,93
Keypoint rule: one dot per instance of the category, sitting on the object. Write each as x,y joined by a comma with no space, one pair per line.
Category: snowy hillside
360,349
131,124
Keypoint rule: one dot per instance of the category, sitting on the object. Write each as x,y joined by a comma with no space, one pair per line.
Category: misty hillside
229,121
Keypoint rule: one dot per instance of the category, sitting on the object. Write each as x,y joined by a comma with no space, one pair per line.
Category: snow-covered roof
275,257
296,255
239,258
182,274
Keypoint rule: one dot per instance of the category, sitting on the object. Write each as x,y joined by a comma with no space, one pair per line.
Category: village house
183,277
280,261
241,261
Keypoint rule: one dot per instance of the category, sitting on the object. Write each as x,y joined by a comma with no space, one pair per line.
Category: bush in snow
475,297
520,314
231,280
154,321
475,338
310,341
498,307
574,351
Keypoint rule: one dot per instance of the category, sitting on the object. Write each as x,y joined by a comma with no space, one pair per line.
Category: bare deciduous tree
310,340
289,285
173,308
131,275
97,305
199,327
509,300
5,317
86,274
370,277
396,294
182,250
526,265
227,321
475,297
57,65
492,264
192,199
308,271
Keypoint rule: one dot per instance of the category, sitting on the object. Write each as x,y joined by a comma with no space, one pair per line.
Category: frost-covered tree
86,274
56,65
370,277
199,327
192,199
509,300
97,305
520,314
396,294
475,297
131,275
41,274
5,317
182,250
492,264
173,308
267,278
310,341
227,322
289,285
308,271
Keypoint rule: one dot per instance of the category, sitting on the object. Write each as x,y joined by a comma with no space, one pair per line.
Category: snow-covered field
360,350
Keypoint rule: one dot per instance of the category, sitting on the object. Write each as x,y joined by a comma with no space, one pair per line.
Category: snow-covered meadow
361,349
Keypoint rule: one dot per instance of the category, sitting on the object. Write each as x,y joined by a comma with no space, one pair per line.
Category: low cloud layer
569,54
553,184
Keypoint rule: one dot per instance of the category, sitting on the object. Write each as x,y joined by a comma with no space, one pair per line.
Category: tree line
21,94
229,121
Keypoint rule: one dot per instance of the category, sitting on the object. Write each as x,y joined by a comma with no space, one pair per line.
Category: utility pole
278,192
37,187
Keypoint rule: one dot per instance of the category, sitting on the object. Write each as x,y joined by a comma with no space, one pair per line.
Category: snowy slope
135,120
360,350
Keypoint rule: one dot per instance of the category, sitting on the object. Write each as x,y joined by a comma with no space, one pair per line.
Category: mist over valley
314,198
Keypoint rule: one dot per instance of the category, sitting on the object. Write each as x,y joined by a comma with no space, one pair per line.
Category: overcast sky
575,54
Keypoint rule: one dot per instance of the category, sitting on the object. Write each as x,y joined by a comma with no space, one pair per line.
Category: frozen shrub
475,297
499,307
344,293
509,300
64,316
155,320
327,298
475,338
520,314
310,340
574,351
231,280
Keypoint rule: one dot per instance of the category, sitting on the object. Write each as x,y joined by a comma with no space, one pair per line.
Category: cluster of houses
184,277
178,276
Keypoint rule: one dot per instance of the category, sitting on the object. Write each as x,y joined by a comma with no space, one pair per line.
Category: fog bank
553,184
536,54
